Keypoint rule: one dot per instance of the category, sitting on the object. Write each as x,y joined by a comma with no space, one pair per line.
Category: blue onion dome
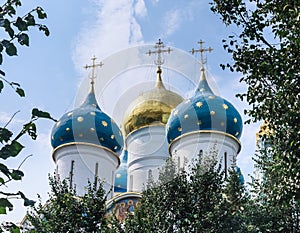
205,111
121,174
151,108
89,124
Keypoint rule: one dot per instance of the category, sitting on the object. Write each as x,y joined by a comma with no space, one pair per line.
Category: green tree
200,200
67,212
15,32
265,50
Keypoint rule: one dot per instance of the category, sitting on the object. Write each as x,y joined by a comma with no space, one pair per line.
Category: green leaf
28,202
20,91
15,229
2,210
5,203
1,85
7,25
17,174
30,128
44,29
2,180
4,169
41,13
11,150
21,24
11,49
40,114
30,20
5,135
23,39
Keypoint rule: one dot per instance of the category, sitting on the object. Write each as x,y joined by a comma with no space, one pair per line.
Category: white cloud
140,8
175,17
172,21
113,28
6,117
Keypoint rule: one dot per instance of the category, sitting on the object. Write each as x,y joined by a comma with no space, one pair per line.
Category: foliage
197,201
15,32
266,52
66,212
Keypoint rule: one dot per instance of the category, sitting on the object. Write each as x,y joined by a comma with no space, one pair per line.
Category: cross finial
93,66
159,46
201,50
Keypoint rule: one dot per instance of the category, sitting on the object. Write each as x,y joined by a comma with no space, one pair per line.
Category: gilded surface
152,107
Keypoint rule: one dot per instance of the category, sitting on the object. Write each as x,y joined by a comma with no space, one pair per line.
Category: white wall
147,151
86,158
187,147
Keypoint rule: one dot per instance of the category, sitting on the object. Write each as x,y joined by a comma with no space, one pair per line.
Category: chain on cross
159,46
201,50
93,66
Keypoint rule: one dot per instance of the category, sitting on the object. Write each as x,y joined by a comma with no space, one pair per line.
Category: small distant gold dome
264,130
151,108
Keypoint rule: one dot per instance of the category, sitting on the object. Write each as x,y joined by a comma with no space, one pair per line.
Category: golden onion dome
151,108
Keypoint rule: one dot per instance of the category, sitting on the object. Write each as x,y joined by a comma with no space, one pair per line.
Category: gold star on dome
175,112
199,104
80,119
101,139
225,106
186,116
112,136
212,113
68,129
93,113
235,120
92,130
179,129
199,122
104,123
118,175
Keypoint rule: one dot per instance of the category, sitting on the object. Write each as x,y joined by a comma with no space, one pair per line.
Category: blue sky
51,70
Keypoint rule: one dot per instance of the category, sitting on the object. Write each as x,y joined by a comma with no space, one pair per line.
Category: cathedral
159,124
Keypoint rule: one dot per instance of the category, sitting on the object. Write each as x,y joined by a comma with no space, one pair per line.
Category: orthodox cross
159,46
93,66
201,50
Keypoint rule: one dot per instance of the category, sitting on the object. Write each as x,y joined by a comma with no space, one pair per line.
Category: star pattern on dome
104,123
199,104
80,119
225,106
